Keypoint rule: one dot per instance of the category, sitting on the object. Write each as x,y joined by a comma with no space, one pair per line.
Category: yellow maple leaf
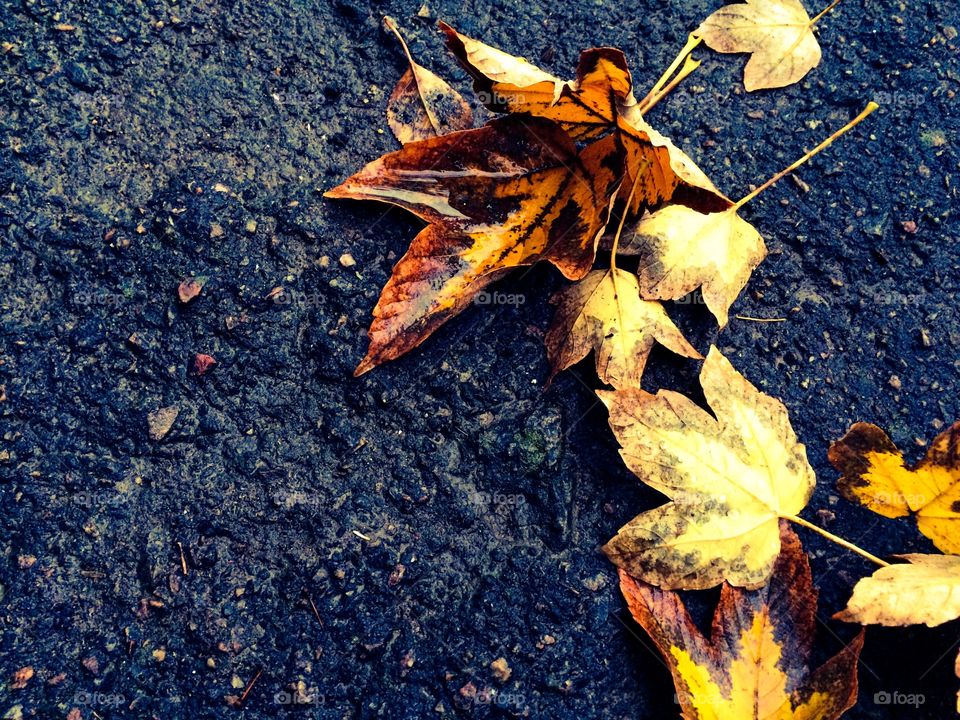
604,313
876,476
730,478
777,33
755,664
423,105
924,590
682,249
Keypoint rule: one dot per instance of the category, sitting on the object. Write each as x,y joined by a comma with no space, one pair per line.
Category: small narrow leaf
423,105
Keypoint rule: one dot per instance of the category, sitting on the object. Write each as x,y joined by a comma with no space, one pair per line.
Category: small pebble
21,677
160,421
501,669
895,382
347,261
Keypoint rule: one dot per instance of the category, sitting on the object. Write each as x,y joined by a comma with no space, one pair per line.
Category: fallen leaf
730,478
604,313
511,193
190,288
160,421
777,33
924,590
599,102
422,105
755,664
682,249
876,476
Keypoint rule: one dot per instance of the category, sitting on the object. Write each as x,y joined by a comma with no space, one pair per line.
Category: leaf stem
689,66
823,12
391,25
692,42
837,539
623,219
871,106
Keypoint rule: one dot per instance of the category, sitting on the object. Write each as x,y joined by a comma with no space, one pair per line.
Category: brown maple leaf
509,194
754,666
599,102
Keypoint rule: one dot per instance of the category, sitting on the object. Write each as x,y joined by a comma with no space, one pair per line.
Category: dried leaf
422,104
876,476
599,102
604,313
924,590
508,194
729,478
682,249
755,665
777,33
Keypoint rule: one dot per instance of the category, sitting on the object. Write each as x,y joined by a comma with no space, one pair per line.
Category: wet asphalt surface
369,547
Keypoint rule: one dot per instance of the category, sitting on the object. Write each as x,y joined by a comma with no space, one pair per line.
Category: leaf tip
365,366
607,397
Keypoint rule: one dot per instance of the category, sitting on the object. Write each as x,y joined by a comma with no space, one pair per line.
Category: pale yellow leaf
730,478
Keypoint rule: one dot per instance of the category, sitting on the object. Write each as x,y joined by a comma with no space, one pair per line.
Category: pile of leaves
569,170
